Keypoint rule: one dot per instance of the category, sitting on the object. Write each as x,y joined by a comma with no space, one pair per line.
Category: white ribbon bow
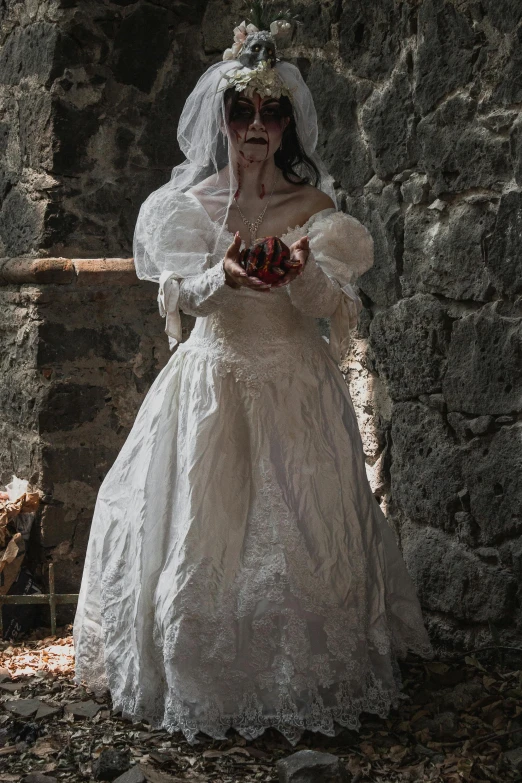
168,300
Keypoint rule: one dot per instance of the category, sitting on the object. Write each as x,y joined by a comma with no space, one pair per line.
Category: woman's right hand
235,275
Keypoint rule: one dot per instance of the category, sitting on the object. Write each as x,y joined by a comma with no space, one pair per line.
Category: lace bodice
251,333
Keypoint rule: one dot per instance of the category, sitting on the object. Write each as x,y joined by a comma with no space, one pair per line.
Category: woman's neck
254,180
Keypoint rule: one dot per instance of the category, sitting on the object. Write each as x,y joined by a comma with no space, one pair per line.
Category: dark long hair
291,155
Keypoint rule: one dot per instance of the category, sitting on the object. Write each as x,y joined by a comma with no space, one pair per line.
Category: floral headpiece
255,49
262,79
242,31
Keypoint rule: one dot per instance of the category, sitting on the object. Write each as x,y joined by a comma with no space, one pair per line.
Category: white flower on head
240,32
279,26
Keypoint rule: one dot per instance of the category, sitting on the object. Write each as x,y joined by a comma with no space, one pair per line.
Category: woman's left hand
299,252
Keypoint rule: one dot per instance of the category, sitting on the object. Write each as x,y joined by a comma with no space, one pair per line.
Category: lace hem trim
252,718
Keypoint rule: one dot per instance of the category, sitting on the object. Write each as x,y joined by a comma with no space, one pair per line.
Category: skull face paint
256,127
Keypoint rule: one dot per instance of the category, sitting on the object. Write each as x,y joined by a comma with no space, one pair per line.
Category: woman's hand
299,252
235,275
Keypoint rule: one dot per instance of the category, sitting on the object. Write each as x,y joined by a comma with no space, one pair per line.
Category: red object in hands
269,259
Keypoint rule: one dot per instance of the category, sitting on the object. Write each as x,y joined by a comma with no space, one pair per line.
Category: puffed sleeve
343,248
173,240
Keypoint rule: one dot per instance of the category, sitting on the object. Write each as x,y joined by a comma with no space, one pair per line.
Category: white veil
203,139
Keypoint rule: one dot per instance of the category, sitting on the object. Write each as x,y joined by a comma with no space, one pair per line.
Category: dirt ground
462,721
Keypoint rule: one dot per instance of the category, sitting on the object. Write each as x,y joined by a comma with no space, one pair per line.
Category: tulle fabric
204,140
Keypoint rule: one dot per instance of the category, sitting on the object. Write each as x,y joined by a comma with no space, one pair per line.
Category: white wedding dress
239,570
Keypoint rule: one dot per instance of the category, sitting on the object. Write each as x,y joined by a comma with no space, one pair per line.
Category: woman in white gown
239,571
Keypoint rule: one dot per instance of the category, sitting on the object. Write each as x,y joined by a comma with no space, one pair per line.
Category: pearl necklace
253,225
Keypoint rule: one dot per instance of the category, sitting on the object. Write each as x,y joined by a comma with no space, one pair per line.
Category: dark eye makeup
245,111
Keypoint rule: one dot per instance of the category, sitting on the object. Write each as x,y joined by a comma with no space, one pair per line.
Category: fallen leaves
461,723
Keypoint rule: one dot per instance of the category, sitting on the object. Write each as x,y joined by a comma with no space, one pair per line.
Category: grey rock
514,758
36,130
410,343
422,750
133,775
21,223
492,474
69,463
504,256
110,764
218,25
369,36
443,253
460,425
444,55
311,766
74,128
38,777
501,420
149,23
442,727
71,404
435,401
504,14
516,149
486,379
416,189
466,427
85,709
387,119
315,28
457,152
402,176
383,217
451,580
340,142
425,466
460,696
28,53
480,425
466,529
488,554
500,120
60,343
509,89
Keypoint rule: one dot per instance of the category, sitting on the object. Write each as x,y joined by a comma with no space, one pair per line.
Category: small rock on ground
133,775
311,766
110,764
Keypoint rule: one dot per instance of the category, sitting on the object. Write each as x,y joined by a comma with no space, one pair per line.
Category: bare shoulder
315,199
202,187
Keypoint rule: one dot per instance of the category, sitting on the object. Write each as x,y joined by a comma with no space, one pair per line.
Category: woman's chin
256,159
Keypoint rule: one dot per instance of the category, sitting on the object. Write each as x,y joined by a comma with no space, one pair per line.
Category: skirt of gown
239,571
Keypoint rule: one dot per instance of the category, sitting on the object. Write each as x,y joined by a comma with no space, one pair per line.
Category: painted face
256,127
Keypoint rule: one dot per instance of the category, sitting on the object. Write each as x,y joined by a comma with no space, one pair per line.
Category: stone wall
90,96
81,344
419,107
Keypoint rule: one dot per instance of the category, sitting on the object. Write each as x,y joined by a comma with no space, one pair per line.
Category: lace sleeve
314,292
202,294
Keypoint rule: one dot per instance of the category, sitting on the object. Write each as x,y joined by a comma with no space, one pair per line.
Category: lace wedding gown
239,570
